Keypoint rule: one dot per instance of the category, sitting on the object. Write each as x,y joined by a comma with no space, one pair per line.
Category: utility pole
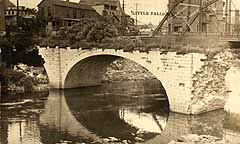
226,16
123,21
200,17
188,10
2,16
2,32
17,12
123,6
230,17
136,14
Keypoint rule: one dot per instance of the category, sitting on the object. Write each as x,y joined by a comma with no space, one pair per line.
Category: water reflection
232,117
232,128
179,125
19,118
231,137
94,114
232,81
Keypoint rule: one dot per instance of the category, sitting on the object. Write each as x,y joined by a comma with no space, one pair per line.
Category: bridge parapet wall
175,71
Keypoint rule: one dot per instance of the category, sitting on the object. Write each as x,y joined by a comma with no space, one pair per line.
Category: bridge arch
88,69
174,71
109,57
103,58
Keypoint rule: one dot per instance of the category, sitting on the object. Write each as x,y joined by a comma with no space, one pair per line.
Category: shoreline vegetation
24,79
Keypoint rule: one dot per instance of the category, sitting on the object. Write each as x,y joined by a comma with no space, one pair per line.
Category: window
67,13
169,28
42,11
105,13
113,7
177,28
49,12
74,13
82,14
106,6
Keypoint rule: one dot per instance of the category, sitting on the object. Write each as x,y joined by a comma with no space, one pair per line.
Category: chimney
67,0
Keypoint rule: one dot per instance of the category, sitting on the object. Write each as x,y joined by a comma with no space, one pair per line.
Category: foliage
88,29
87,32
12,76
27,77
15,48
21,38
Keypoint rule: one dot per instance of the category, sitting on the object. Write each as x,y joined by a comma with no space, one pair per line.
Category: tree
88,29
21,38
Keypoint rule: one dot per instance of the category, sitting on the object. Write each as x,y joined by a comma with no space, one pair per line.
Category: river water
126,112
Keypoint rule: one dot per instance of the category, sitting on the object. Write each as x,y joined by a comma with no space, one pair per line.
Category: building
12,12
60,13
5,5
106,7
113,9
234,26
209,21
2,16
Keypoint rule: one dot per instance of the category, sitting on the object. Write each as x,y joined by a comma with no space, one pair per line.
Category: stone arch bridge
72,68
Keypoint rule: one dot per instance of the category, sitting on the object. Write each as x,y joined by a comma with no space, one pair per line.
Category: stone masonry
71,68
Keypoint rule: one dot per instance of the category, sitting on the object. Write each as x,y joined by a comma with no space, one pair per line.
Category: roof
10,4
100,2
69,4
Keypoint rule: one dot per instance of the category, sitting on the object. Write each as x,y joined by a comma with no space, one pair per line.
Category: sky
153,7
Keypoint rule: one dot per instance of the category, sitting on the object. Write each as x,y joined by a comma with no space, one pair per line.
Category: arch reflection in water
92,115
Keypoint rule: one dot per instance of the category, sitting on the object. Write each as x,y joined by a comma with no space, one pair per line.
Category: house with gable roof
60,13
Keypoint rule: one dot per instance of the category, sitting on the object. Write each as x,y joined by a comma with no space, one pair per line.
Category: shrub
28,84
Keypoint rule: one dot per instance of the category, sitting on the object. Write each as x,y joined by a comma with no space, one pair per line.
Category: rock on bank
196,139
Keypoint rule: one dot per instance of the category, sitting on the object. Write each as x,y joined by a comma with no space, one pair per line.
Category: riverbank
24,79
197,139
